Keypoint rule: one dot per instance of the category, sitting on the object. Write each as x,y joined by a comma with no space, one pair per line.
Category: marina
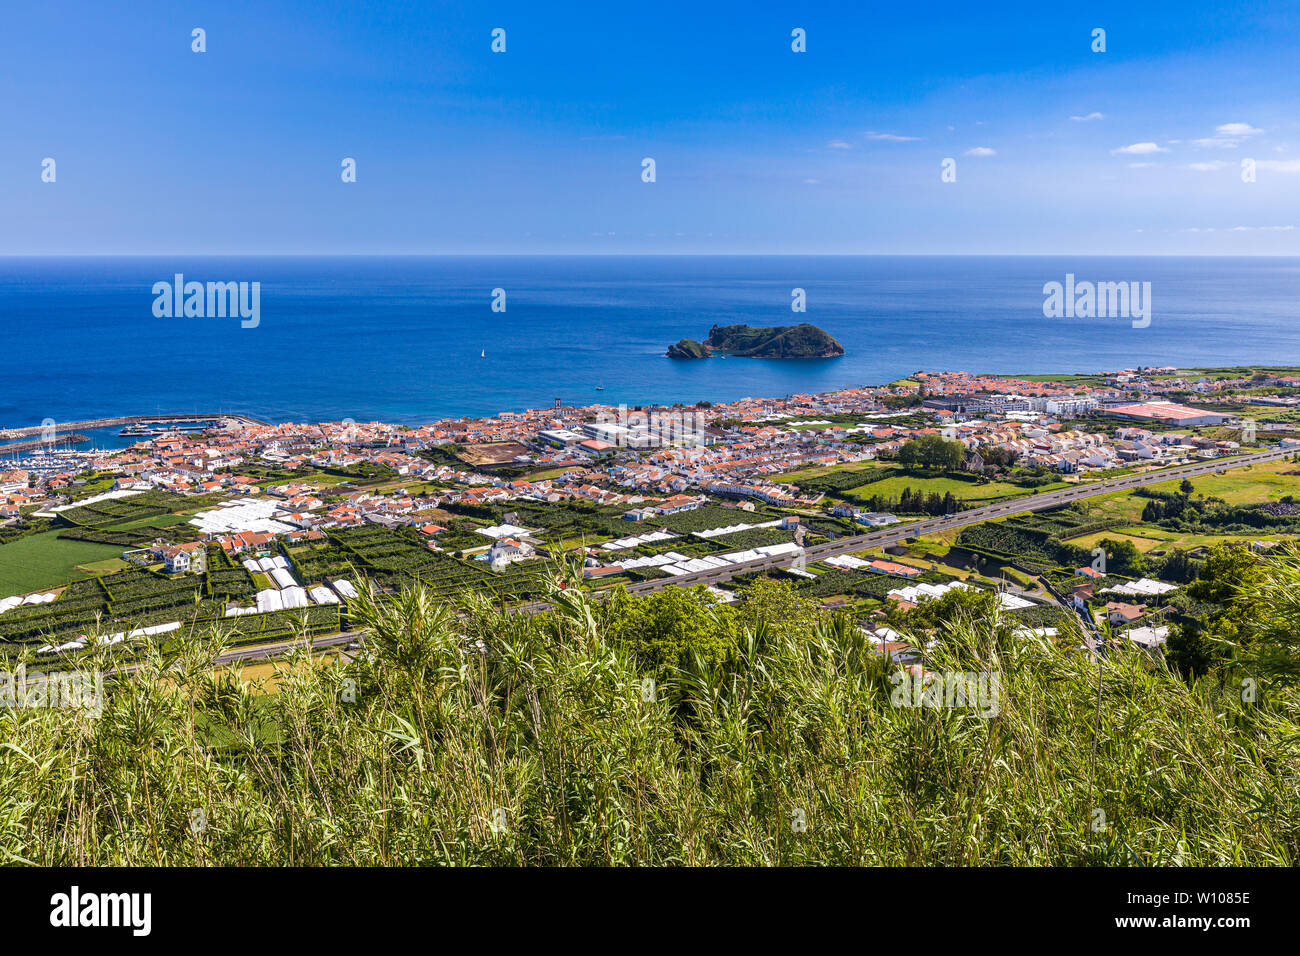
36,443
54,462
150,429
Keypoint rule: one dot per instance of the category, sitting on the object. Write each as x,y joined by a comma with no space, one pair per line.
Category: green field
968,491
1252,484
155,521
1146,538
107,566
892,486
43,561
794,476
1066,378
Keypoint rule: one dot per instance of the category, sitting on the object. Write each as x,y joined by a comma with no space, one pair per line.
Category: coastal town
764,441
275,526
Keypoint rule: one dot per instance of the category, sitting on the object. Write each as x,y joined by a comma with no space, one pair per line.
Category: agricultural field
1075,378
132,522
1253,484
1121,508
969,492
1250,484
138,598
821,471
1144,539
153,521
1045,543
886,480
320,563
393,558
705,518
487,454
107,566
863,589
45,560
1147,538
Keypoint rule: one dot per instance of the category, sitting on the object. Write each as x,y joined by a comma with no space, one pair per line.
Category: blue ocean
412,339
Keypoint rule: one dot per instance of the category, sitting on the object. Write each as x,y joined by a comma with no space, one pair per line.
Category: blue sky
757,148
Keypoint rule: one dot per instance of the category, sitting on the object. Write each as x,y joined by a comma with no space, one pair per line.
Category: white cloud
1227,136
891,137
812,182
1138,149
1142,165
1280,165
1237,129
1262,229
838,144
1089,117
1209,167
981,151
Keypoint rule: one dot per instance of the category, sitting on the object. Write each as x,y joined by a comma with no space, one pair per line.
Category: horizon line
650,255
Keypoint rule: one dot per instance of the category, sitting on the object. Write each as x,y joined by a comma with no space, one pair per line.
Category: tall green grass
468,735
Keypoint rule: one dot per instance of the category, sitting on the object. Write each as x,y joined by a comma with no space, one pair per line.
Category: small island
782,341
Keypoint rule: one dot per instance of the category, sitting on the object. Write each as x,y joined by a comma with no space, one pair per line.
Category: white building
504,551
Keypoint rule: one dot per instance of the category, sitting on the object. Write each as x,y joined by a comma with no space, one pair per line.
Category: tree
1179,568
932,451
664,628
1234,584
998,458
776,605
1185,486
1227,570
1122,557
1269,616
1190,653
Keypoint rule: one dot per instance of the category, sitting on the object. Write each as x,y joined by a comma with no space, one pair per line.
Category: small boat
600,388
483,354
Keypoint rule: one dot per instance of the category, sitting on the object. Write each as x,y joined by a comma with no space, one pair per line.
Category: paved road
261,651
255,651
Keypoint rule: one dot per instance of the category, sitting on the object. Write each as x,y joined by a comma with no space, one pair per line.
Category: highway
254,652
